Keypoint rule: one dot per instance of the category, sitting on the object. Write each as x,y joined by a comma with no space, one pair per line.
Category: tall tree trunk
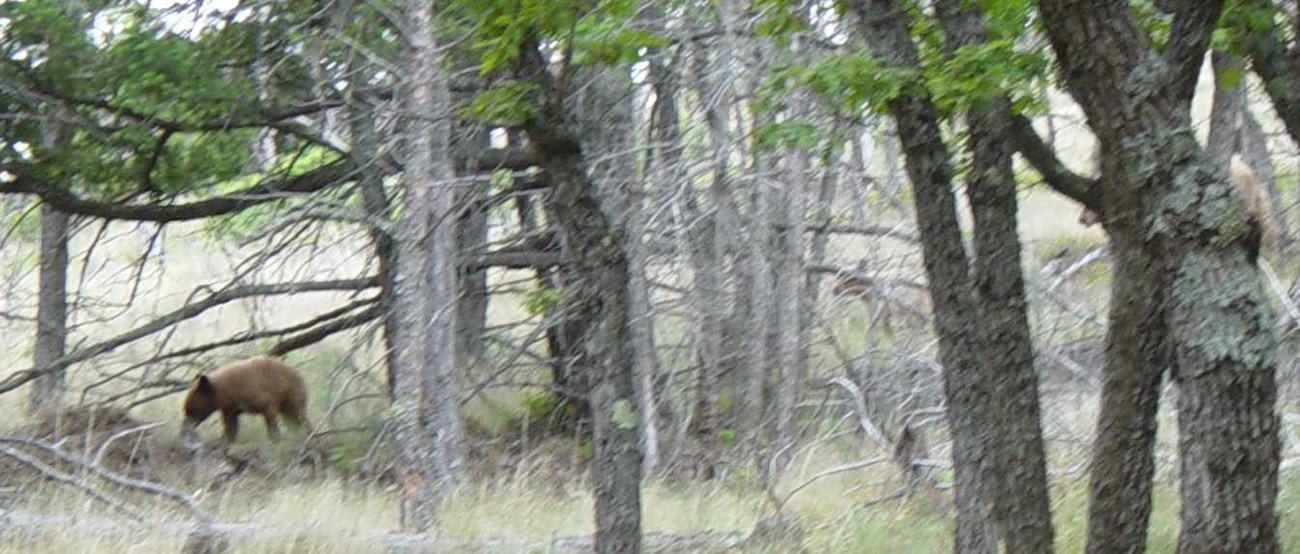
612,138
51,310
1016,465
1180,235
642,322
429,430
471,313
884,25
599,296
708,236
374,200
789,278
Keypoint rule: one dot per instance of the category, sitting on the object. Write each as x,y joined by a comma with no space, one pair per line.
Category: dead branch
827,473
129,483
266,191
60,477
103,447
188,311
860,406
322,332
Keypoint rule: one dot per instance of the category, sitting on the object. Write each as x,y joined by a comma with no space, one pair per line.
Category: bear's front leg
230,420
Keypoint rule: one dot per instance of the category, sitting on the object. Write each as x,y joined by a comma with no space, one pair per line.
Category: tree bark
1016,470
374,200
1184,251
599,296
429,430
51,310
471,313
884,26
788,282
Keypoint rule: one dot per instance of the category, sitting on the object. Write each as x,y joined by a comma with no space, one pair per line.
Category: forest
649,276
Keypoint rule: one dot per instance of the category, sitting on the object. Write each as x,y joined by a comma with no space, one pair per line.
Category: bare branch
119,480
269,190
320,333
188,311
1041,156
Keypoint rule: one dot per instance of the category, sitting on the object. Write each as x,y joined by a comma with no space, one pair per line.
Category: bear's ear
202,383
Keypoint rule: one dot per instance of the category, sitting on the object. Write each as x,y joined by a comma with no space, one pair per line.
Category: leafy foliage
142,105
542,299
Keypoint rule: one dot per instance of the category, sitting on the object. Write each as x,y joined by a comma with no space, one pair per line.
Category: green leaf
542,300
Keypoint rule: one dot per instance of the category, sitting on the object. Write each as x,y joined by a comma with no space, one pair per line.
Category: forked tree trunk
599,298
1016,465
429,430
1184,250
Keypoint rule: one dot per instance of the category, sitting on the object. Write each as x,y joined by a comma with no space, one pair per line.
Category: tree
52,310
429,430
1185,295
596,249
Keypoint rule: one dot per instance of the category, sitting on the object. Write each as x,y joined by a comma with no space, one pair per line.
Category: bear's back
261,380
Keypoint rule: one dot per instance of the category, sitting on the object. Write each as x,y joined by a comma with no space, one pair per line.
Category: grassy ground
317,516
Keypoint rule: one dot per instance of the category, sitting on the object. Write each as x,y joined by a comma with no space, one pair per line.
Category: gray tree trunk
429,431
599,298
789,279
471,313
51,310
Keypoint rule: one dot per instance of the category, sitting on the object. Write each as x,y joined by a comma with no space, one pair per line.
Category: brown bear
265,386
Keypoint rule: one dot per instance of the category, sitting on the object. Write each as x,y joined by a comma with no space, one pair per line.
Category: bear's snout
190,435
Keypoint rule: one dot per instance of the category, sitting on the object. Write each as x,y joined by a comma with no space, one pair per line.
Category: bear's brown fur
264,386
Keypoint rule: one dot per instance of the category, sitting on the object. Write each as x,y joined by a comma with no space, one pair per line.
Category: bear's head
200,402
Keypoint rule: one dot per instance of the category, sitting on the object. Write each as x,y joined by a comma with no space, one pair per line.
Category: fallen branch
125,482
827,473
60,477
